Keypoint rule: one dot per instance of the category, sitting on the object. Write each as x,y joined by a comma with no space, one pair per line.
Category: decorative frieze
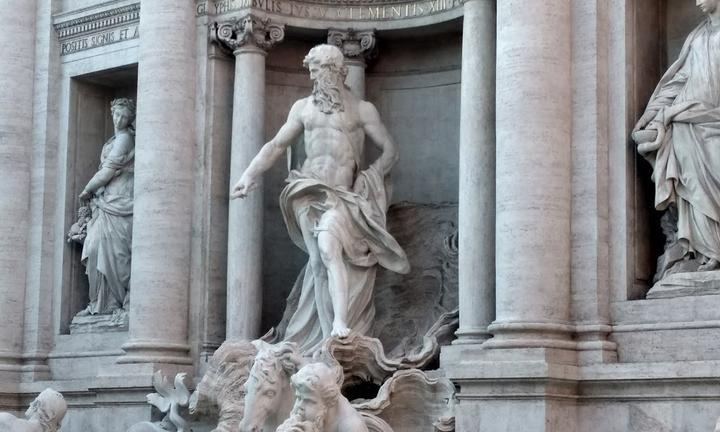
330,10
355,45
247,31
98,29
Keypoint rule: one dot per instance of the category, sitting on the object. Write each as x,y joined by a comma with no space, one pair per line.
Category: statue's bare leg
331,254
307,227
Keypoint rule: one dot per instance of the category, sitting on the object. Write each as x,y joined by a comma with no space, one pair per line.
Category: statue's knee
330,248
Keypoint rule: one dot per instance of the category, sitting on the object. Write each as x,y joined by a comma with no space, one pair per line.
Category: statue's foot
84,312
712,264
340,330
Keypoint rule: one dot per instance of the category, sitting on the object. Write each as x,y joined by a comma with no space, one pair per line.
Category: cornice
97,22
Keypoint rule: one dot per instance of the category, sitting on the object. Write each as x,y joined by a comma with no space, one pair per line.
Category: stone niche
661,27
415,85
90,125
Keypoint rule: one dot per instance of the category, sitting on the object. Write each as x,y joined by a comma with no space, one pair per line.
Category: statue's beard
326,94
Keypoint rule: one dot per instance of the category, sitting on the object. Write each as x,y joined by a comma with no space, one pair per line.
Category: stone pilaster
249,38
16,129
534,122
476,208
164,151
359,47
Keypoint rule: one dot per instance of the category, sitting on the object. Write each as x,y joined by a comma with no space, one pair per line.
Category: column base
155,352
521,334
467,336
529,389
10,367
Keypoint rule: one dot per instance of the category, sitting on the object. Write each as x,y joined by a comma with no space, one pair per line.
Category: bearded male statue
334,208
319,405
44,415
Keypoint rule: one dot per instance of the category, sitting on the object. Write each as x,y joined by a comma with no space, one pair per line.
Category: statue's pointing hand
243,187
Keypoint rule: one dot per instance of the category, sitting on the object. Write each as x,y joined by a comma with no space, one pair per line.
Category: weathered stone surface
45,414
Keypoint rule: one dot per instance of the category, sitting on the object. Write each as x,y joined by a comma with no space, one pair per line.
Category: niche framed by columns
90,126
656,33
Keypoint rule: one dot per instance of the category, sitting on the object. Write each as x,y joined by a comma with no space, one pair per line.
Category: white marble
45,414
672,134
333,206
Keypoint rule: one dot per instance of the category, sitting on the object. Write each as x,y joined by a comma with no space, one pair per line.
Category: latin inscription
108,37
326,12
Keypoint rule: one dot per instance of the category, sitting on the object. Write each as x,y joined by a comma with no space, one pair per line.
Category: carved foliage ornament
354,44
249,30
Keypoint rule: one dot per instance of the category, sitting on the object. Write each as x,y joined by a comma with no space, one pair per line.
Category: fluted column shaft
249,37
476,209
16,124
358,47
533,174
164,151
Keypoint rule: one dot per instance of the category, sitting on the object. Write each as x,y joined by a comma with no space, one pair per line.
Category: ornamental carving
356,45
249,30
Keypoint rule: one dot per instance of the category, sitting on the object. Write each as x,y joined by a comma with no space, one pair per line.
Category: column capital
249,31
356,45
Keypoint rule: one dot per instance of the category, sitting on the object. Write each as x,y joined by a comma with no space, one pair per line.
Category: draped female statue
679,134
106,247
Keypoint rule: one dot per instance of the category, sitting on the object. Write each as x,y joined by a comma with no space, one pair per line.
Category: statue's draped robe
355,217
106,251
686,165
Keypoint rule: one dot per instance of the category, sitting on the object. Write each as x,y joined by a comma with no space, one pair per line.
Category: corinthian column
16,126
476,209
533,175
358,48
249,38
160,273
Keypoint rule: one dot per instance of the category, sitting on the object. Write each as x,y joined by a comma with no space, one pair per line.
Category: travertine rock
45,414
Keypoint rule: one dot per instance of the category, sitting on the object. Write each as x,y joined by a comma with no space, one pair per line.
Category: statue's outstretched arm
270,152
376,131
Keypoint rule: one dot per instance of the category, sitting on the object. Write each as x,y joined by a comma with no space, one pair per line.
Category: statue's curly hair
321,379
126,103
327,56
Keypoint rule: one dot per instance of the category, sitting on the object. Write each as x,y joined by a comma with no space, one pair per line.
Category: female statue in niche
679,134
106,247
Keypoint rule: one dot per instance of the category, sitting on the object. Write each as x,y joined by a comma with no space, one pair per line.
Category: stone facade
533,211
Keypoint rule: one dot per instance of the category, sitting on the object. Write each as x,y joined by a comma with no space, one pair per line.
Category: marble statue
171,401
319,405
44,415
678,135
268,393
334,208
106,247
221,391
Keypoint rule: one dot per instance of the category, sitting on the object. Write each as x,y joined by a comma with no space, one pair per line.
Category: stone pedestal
16,129
249,38
358,47
686,284
164,150
476,211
